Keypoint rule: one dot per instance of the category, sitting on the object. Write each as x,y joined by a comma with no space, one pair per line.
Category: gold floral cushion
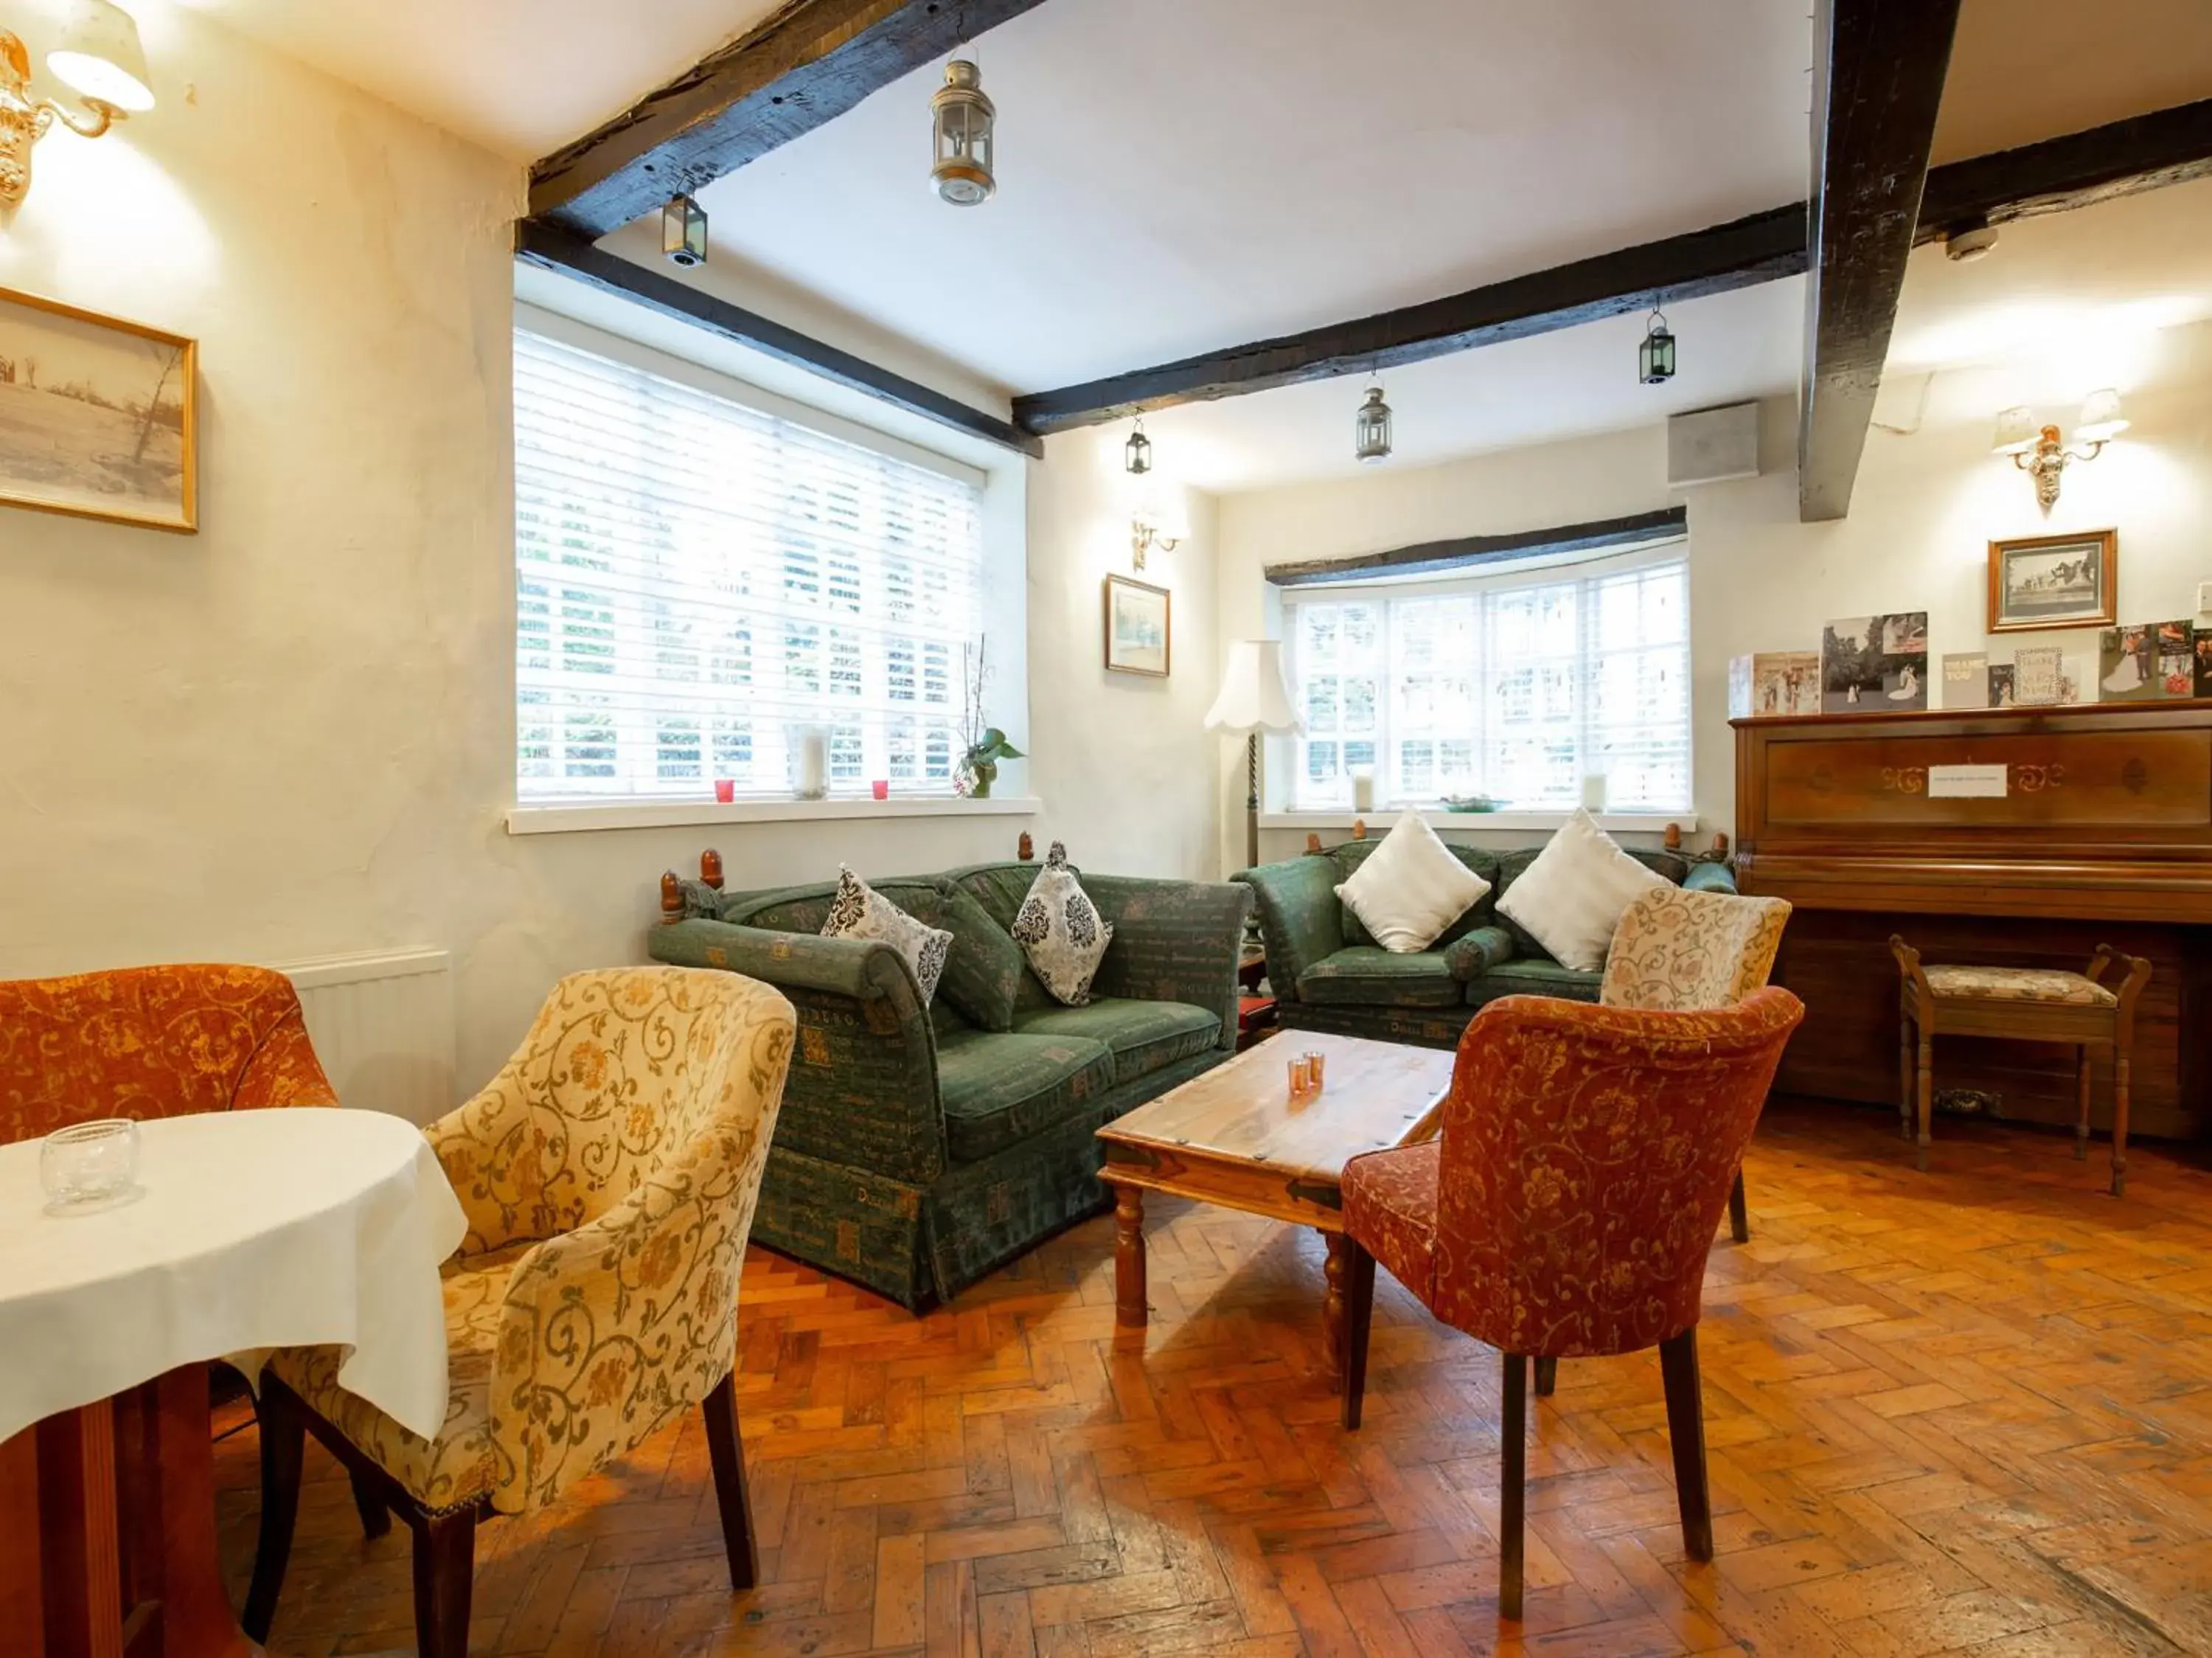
461,1464
1679,951
2019,985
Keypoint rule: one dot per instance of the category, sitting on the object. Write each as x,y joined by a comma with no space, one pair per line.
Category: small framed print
2054,581
1138,634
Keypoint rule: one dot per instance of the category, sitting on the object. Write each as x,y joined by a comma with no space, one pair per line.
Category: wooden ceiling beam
1878,74
549,247
807,64
2144,152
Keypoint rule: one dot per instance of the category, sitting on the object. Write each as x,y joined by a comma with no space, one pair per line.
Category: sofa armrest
1710,878
1301,919
1475,954
863,1088
1174,941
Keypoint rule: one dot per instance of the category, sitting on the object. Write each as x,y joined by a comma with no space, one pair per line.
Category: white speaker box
1712,445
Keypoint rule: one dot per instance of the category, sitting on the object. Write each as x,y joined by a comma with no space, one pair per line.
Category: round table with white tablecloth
252,1230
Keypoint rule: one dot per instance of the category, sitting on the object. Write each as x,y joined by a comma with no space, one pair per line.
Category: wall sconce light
1152,526
98,56
962,120
1654,357
2042,456
683,231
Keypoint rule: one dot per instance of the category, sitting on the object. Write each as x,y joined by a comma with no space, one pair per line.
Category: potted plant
987,744
980,762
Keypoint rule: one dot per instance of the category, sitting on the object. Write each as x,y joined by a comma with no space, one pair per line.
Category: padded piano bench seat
2027,1004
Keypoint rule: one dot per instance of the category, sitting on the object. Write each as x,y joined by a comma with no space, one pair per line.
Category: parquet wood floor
1964,1412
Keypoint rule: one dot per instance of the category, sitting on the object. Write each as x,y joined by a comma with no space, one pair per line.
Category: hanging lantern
963,117
684,231
1137,453
1654,357
1370,428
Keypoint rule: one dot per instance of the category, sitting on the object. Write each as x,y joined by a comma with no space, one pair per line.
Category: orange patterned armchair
1567,1206
147,1042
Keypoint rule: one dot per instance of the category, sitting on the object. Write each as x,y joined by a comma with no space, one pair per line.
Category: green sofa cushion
1353,853
984,970
1369,976
998,1089
1144,1036
1541,977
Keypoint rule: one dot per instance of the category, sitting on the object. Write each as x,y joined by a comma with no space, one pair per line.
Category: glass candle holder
89,1162
1301,1077
1316,1069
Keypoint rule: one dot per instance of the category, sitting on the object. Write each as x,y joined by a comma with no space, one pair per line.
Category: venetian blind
697,580
1513,689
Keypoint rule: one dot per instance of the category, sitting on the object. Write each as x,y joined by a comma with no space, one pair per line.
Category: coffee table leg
1332,1304
1130,1309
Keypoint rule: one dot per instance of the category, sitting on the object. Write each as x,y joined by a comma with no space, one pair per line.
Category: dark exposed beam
1468,551
2144,152
551,248
809,64
1878,70
1715,261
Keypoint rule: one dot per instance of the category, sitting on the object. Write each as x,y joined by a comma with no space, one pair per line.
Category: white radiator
382,1025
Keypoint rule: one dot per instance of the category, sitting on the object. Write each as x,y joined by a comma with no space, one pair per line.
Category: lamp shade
2016,433
2101,419
100,58
1254,696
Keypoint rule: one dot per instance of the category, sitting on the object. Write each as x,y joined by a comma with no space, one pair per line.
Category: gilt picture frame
1140,634
98,417
2042,582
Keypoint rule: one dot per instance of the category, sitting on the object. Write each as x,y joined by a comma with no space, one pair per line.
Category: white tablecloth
258,1229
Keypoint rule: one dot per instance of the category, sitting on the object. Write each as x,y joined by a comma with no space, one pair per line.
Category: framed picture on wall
1138,636
2054,581
98,418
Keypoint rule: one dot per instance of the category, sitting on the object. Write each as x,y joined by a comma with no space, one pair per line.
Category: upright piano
2012,837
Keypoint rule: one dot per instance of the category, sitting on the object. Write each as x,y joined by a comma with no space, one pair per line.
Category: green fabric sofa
1328,974
920,1149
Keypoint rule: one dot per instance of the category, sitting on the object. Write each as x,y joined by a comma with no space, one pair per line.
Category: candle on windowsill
1363,789
813,779
1594,792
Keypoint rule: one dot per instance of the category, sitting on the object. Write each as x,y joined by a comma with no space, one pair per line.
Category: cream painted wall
292,735
1925,509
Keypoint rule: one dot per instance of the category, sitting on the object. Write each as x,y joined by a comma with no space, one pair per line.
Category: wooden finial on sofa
1025,849
671,899
1720,846
1313,845
1359,829
710,868
1673,836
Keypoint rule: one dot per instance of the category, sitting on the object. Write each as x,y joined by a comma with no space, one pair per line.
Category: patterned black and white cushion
860,910
1061,931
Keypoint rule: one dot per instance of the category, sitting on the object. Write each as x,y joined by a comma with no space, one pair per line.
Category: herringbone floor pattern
1963,1412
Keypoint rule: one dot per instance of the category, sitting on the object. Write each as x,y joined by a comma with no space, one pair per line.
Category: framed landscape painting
1137,633
2054,581
98,418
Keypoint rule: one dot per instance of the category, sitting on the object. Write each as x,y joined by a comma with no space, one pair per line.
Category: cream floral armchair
609,1173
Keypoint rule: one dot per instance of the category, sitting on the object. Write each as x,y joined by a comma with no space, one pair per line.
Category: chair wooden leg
1686,1431
725,1449
2081,1118
1358,1314
1926,1100
1513,1479
1905,1078
1739,1212
445,1573
2120,1124
1547,1377
283,1451
375,1518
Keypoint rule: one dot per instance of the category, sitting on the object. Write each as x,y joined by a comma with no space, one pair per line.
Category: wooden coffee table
1232,1136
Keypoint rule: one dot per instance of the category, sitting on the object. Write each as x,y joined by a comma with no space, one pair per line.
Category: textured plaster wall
291,736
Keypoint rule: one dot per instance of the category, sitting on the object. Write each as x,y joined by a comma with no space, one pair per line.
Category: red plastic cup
726,789
882,787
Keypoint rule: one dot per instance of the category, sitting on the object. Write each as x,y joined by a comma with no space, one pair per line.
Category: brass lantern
1370,429
963,117
1654,357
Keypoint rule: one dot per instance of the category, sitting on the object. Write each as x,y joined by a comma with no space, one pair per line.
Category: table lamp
1254,698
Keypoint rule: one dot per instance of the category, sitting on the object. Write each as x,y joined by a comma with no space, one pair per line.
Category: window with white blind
1513,688
697,580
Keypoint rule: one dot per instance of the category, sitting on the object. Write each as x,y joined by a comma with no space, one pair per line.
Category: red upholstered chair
146,1042
1566,1207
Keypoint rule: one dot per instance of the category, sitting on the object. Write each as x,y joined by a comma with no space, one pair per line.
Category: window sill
1647,823
583,816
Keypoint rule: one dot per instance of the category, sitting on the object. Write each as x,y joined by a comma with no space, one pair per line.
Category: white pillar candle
1363,789
1594,792
813,763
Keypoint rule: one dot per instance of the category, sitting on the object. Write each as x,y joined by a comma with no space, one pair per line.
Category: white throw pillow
860,910
1411,887
1061,931
1572,897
